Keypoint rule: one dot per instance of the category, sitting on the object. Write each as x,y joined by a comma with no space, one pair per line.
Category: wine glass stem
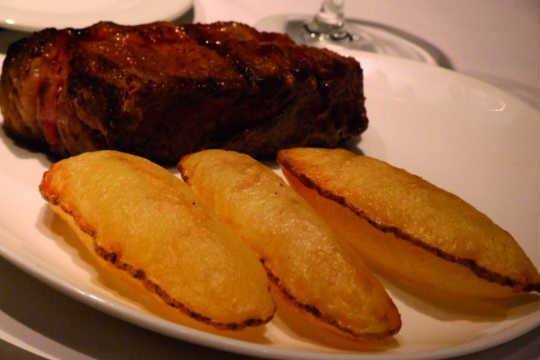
330,20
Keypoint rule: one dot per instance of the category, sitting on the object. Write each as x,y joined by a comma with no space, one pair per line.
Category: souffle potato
303,256
408,229
140,218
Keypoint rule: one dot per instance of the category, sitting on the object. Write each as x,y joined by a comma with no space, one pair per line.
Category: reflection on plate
32,15
456,132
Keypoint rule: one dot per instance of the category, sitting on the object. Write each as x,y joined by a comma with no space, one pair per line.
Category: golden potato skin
407,228
301,253
146,221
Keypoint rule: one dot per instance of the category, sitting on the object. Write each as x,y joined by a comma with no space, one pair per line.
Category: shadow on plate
186,18
25,151
8,37
448,307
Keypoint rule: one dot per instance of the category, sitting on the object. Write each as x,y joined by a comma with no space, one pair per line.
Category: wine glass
329,27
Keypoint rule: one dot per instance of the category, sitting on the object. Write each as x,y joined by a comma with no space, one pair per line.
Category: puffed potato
302,255
407,229
142,219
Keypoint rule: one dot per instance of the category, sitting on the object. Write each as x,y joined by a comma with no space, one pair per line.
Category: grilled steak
162,90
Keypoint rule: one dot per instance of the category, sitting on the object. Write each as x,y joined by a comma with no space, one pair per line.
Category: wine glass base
357,35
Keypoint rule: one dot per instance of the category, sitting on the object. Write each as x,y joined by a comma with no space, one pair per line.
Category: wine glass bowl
329,26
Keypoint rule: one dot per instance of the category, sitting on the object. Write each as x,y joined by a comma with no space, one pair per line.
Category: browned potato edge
310,309
314,311
469,263
115,259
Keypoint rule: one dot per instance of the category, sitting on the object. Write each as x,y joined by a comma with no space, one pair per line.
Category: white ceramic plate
31,15
459,133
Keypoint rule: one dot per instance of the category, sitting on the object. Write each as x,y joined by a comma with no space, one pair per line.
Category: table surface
495,41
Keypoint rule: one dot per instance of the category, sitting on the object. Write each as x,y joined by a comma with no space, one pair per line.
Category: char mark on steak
162,90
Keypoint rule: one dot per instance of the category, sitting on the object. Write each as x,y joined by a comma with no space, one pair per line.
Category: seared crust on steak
162,90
